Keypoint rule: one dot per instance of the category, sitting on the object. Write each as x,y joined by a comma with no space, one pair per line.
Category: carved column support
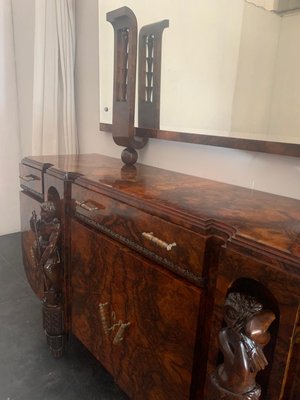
242,342
46,252
53,327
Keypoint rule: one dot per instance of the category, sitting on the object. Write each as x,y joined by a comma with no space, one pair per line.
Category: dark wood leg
53,327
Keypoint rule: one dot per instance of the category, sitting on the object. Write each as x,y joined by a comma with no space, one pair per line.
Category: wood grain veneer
232,238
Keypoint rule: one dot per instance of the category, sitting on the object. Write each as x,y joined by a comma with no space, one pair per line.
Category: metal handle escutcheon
83,205
103,307
158,242
106,321
28,178
120,334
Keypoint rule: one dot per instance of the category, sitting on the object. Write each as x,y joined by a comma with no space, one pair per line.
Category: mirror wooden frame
262,146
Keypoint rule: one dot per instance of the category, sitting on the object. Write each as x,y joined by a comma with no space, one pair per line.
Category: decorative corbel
124,23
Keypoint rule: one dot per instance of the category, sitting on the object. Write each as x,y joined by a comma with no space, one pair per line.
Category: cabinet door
34,275
138,319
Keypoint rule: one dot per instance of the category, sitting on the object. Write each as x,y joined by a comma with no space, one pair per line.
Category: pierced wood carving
150,45
47,258
122,64
241,343
124,23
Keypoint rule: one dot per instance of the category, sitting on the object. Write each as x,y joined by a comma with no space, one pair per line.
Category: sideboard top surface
267,219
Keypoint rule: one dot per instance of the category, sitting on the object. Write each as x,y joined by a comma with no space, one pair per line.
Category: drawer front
137,319
31,179
179,249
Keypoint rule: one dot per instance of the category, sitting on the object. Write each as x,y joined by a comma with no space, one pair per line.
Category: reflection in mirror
229,67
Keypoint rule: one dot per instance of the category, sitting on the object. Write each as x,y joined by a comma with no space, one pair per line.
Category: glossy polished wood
232,238
133,227
162,312
278,289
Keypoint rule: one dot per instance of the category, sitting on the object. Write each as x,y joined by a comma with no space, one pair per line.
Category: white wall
199,65
275,174
23,19
256,73
14,128
286,120
9,124
87,82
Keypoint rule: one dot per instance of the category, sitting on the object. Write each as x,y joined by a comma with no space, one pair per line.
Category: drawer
31,179
179,249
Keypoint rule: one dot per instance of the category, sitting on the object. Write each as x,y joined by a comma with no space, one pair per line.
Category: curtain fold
54,122
9,125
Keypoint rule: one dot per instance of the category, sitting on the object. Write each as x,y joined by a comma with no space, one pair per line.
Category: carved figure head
48,211
239,309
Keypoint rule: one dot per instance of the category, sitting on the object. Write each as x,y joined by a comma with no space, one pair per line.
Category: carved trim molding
197,280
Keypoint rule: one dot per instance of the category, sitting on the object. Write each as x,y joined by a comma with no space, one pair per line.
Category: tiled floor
27,370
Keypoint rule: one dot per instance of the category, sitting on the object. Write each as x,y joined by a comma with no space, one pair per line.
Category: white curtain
9,125
54,123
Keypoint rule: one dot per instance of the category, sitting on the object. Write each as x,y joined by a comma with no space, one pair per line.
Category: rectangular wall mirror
230,68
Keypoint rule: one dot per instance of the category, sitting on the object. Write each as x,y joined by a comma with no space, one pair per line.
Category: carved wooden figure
46,253
241,343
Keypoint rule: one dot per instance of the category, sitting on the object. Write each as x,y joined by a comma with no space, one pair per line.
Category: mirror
229,67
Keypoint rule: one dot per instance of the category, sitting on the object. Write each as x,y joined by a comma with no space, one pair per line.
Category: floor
27,370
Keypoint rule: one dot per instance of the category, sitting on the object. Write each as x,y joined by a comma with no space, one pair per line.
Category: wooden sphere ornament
129,156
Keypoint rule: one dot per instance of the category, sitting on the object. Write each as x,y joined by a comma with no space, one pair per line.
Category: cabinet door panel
33,273
150,350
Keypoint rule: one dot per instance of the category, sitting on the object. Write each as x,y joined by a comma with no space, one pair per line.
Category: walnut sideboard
182,287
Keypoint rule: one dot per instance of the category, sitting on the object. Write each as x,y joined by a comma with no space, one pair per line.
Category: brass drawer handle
83,205
158,242
29,178
104,317
120,334
106,323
